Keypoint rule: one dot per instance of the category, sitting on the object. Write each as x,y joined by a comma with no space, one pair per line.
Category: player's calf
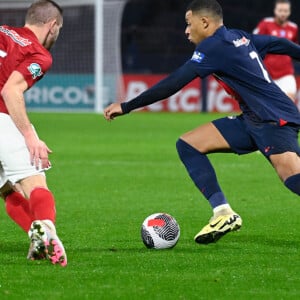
201,172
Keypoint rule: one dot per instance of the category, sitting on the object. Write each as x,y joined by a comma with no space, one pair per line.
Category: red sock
17,207
42,204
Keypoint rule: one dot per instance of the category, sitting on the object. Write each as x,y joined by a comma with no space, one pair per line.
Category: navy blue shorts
246,136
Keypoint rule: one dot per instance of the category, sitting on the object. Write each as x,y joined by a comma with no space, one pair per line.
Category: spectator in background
280,67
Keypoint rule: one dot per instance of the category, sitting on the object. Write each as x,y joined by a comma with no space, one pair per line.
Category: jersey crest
35,70
197,56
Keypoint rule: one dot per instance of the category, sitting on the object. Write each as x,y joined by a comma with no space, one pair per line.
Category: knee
178,144
293,183
6,189
185,150
181,147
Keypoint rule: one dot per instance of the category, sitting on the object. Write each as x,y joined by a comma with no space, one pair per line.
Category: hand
113,111
38,152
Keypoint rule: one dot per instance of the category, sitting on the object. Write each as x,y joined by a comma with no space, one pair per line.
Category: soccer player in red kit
24,59
281,67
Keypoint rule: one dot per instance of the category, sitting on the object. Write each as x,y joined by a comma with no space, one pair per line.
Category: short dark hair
282,1
41,11
211,6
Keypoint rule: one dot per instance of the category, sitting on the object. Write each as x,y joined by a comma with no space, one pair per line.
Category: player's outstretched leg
17,208
201,171
45,243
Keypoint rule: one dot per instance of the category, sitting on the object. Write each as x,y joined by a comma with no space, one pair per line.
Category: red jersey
278,65
21,51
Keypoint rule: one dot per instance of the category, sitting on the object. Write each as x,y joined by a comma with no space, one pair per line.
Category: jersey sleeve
274,45
163,89
34,67
200,65
204,64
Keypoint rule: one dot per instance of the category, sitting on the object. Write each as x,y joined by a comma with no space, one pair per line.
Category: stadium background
140,46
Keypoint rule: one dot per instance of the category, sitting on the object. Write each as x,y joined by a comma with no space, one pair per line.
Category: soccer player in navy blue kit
269,121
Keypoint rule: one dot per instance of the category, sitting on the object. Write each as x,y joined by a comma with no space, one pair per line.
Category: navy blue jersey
234,58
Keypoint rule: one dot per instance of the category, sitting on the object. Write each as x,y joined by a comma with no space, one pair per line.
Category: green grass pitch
107,177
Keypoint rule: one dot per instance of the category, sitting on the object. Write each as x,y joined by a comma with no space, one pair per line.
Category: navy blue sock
293,183
201,172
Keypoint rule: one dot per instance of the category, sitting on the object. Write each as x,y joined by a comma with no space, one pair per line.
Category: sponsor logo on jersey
35,70
241,42
15,37
197,56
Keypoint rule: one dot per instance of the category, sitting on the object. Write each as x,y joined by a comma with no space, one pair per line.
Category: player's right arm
13,96
162,90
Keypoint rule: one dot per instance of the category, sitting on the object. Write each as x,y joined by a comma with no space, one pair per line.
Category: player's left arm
13,96
274,45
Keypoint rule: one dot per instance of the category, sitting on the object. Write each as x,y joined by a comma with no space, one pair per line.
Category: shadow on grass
229,243
272,242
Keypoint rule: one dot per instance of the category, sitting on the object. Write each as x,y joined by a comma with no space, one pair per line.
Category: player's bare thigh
286,164
29,183
206,138
25,186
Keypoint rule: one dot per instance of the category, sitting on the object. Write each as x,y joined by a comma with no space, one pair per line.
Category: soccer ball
160,231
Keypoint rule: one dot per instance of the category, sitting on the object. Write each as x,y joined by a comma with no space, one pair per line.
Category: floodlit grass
108,177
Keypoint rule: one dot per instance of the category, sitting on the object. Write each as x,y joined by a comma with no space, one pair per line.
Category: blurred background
140,42
153,30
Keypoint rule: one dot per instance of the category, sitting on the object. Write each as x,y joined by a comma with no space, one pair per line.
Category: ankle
222,210
49,224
